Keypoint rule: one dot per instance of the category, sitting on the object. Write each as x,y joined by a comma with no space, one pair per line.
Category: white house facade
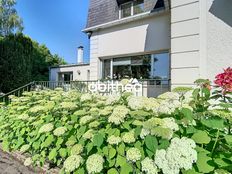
177,41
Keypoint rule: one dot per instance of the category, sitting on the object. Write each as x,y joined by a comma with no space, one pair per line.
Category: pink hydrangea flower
224,80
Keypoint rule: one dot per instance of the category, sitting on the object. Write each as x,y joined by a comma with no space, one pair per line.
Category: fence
149,88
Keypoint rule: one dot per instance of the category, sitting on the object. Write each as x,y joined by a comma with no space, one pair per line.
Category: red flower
224,80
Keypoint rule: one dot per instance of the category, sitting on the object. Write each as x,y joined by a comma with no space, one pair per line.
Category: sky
57,24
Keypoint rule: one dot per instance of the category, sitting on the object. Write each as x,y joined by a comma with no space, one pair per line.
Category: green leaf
203,163
121,149
5,145
126,169
52,154
201,137
187,113
164,144
105,151
63,152
228,139
80,171
151,143
112,171
48,141
89,147
59,141
120,161
111,162
98,140
112,152
215,123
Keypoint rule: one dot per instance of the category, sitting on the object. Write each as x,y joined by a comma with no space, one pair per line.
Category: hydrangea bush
186,131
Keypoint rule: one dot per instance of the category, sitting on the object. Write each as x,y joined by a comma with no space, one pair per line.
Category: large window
131,8
151,66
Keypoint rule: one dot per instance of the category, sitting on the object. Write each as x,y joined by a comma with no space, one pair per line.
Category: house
180,40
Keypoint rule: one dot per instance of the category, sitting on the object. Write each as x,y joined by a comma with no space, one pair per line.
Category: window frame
132,9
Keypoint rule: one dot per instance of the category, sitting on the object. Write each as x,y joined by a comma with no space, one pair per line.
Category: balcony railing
149,88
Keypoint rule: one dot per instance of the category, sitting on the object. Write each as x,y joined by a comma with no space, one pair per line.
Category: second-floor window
131,8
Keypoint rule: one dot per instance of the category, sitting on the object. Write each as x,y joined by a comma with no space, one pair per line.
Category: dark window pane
121,71
125,10
106,69
159,4
138,6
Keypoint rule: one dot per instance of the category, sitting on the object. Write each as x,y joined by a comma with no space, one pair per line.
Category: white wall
143,36
83,69
219,36
185,42
201,39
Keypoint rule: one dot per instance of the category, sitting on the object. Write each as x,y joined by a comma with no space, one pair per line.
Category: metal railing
150,87
17,92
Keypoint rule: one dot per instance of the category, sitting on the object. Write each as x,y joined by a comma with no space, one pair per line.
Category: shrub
90,133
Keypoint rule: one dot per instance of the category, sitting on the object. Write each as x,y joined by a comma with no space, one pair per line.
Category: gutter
126,20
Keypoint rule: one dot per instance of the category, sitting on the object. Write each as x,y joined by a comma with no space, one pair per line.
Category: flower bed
179,132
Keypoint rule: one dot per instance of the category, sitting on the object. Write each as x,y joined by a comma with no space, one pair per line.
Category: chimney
80,55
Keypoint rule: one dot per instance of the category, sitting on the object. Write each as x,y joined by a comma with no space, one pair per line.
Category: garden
184,131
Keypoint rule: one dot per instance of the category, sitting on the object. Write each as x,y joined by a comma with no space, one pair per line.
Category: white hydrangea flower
114,118
148,166
169,96
179,155
89,134
94,124
23,117
27,162
111,99
86,97
168,106
36,109
144,133
68,105
188,97
86,119
76,149
59,131
114,140
46,128
129,137
94,164
133,154
72,163
118,115
135,102
170,123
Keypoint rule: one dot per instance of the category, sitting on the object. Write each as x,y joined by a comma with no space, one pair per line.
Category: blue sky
57,24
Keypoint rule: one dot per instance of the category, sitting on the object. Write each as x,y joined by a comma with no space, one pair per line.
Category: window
65,76
106,69
138,7
131,8
150,66
126,10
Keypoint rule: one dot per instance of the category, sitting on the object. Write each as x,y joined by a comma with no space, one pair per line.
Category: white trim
203,39
111,68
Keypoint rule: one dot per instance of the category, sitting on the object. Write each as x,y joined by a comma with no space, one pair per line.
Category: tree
23,60
10,22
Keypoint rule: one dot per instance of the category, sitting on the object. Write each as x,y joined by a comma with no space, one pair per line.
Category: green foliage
22,61
9,20
29,123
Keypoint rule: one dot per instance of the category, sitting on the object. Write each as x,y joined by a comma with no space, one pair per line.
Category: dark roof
104,11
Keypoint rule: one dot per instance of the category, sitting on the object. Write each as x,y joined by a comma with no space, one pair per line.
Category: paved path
8,165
